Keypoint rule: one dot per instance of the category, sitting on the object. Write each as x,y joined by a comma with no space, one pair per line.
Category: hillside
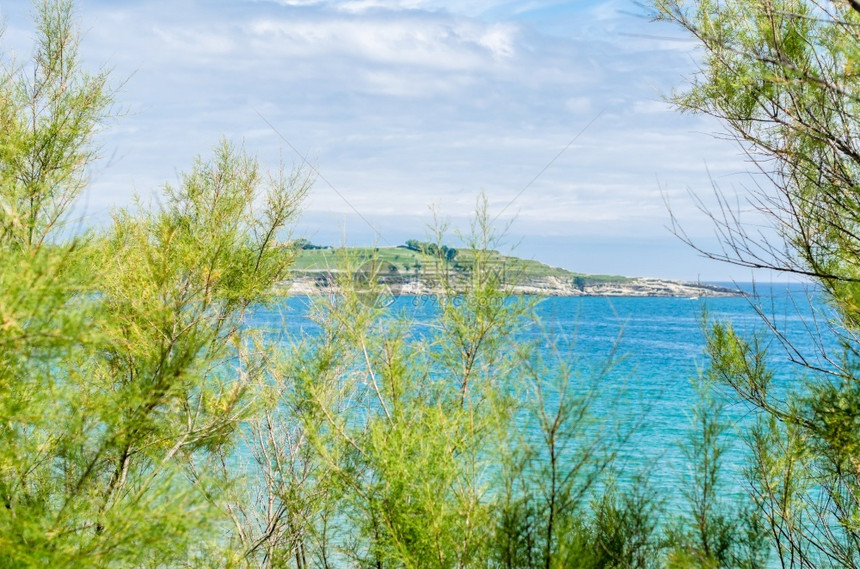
405,271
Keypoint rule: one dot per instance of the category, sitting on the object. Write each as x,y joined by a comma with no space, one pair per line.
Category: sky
554,110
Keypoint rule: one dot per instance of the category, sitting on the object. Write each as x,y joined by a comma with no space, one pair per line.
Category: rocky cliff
311,283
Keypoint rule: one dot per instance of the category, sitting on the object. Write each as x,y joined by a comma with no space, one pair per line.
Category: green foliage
782,77
123,350
49,111
306,245
432,249
717,530
411,421
619,528
143,362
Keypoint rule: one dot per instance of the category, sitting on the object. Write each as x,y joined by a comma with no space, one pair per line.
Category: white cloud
500,40
404,102
442,45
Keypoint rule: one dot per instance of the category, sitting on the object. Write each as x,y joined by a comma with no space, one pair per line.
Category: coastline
403,285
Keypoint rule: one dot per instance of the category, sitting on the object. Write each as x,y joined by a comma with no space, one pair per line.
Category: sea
658,348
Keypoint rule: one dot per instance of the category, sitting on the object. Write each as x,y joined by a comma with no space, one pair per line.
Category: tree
431,249
49,111
122,352
782,77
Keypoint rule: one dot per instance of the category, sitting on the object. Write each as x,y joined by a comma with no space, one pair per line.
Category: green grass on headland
401,261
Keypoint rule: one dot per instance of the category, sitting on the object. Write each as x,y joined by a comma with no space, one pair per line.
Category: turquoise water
660,342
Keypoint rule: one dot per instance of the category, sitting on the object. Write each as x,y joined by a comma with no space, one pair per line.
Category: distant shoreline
416,269
402,285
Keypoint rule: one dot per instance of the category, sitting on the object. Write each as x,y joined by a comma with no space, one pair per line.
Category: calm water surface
661,344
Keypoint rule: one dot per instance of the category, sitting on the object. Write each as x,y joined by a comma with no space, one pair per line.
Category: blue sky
401,104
